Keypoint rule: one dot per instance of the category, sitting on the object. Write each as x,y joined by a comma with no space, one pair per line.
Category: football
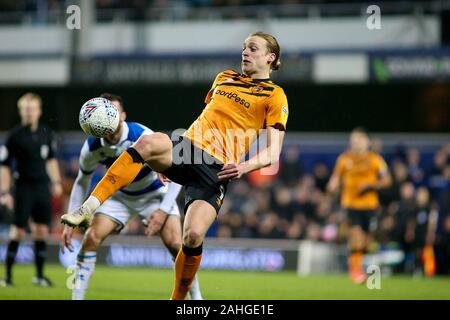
99,117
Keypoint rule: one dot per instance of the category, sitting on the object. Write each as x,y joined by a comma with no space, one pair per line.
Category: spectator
291,168
425,228
321,174
405,224
268,227
415,172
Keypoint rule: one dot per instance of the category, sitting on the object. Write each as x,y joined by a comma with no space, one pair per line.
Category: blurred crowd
293,204
415,210
51,11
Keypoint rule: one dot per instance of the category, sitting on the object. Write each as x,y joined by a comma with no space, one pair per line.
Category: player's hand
66,239
164,180
366,188
57,189
154,222
7,200
230,171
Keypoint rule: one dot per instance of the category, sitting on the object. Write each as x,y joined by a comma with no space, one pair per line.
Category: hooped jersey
97,151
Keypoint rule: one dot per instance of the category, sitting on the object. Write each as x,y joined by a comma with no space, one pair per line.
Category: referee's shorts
32,200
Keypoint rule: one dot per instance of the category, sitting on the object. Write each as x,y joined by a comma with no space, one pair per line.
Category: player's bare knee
91,240
41,233
175,245
40,237
20,234
151,145
144,146
17,234
192,238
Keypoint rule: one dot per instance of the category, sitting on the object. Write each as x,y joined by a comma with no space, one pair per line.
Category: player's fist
230,171
154,222
163,178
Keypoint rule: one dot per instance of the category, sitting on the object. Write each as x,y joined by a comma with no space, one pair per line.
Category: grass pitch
156,284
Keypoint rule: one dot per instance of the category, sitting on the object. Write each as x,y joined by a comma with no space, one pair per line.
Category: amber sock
186,266
120,174
355,261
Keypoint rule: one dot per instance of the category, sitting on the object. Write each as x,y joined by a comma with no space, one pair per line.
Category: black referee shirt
30,151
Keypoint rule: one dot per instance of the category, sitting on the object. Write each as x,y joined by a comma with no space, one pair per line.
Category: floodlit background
342,67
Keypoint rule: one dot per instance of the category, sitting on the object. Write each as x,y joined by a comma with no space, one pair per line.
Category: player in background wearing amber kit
360,174
29,175
238,108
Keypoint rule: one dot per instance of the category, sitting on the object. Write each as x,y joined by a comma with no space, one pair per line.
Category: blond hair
272,46
29,96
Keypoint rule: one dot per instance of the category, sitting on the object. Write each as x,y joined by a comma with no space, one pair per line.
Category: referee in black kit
29,152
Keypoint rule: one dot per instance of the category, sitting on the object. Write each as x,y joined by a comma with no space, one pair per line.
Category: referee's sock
11,257
186,266
40,253
120,174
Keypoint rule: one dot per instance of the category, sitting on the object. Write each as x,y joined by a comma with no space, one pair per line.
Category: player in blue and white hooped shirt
147,196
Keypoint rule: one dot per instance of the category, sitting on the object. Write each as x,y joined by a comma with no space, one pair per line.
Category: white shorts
121,207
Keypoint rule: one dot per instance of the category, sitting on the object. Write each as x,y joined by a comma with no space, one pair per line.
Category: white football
99,117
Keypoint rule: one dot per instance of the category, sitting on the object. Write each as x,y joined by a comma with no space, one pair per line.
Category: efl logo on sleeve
284,114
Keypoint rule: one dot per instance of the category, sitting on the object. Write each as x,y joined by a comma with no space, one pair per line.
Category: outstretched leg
154,149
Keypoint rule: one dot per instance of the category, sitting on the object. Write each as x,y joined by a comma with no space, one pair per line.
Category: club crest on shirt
257,89
284,114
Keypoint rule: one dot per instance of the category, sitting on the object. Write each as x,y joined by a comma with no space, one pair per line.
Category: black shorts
197,171
366,219
32,200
